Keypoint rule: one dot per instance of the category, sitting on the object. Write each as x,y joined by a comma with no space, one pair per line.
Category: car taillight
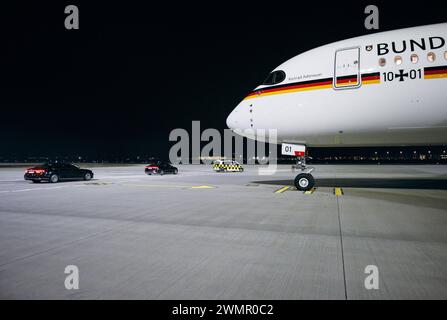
151,167
36,171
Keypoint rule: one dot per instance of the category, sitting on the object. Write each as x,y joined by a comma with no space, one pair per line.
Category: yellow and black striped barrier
227,167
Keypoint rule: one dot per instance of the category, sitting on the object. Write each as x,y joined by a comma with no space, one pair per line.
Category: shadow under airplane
369,183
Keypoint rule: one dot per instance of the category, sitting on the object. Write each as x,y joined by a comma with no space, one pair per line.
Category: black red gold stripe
367,78
351,80
292,87
435,72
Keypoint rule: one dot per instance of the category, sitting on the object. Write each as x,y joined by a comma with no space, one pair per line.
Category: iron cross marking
401,75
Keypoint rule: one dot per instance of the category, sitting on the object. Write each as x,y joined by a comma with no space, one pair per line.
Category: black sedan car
55,172
160,168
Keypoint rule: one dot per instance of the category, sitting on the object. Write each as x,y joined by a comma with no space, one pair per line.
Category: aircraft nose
232,121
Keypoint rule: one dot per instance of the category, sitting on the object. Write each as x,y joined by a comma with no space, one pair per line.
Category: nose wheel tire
54,178
304,181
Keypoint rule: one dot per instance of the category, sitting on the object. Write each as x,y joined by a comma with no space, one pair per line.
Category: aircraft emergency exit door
347,68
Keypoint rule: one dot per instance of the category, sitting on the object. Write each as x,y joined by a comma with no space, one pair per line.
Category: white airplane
383,89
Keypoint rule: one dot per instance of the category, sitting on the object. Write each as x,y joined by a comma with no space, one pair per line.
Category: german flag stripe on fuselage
435,72
351,80
367,78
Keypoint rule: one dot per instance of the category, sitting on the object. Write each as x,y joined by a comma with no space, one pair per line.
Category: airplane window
275,77
431,56
398,60
414,58
382,62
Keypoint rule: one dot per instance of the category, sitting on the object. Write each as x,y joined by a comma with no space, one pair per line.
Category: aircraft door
347,69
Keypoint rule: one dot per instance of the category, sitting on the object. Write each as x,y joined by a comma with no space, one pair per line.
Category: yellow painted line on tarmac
202,187
310,191
338,191
281,190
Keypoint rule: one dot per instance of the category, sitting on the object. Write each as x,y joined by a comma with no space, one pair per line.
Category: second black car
160,168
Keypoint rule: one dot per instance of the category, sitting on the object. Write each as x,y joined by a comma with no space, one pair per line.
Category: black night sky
132,73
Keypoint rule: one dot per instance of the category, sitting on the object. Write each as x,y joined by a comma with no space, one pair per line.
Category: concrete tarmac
207,235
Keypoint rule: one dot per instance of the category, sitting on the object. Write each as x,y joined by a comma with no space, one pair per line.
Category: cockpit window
269,79
275,77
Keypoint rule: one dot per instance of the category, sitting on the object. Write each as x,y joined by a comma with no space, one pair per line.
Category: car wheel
175,171
88,176
162,172
54,178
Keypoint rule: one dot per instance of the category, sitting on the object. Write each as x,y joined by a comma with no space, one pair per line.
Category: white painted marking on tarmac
168,186
34,189
37,189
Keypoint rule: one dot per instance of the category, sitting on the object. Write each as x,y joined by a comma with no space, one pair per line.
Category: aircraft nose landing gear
303,181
